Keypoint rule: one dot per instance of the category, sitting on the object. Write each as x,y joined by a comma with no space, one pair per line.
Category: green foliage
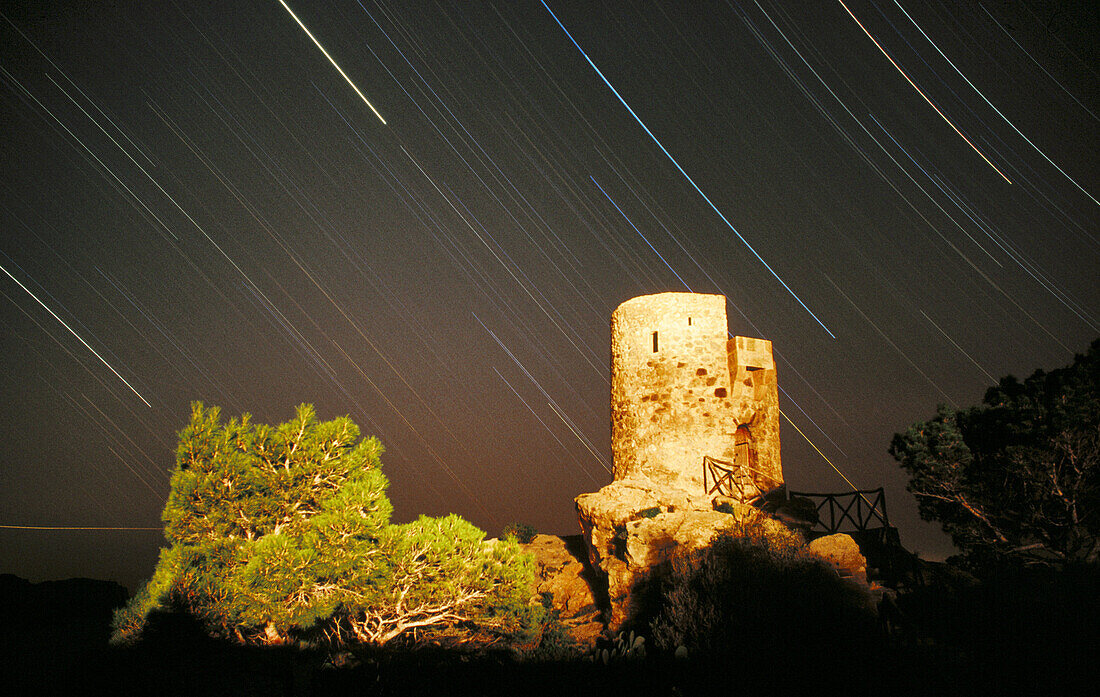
522,532
753,590
283,534
648,513
1016,479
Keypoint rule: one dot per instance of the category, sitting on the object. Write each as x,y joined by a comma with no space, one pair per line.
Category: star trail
200,201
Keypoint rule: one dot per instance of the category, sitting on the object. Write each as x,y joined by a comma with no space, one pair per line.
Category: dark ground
55,643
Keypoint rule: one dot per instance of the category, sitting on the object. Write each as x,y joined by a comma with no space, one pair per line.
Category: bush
522,532
1036,615
755,590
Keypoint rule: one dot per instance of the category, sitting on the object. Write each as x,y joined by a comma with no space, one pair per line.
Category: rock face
633,526
562,572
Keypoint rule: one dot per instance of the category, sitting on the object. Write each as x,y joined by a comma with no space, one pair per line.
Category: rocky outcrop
633,527
563,573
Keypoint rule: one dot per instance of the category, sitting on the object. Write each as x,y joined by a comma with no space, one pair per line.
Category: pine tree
1016,479
283,534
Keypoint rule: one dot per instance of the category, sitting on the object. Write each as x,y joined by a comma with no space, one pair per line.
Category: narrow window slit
654,342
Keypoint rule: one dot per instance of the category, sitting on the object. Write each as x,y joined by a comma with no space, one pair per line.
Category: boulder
842,553
603,512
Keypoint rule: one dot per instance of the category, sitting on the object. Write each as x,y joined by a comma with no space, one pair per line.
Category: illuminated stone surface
842,553
561,572
682,389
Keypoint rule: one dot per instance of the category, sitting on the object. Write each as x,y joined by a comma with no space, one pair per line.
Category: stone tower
682,389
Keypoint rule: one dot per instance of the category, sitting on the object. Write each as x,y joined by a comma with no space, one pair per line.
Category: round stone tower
682,389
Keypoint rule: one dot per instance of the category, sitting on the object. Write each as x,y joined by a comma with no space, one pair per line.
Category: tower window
654,342
689,321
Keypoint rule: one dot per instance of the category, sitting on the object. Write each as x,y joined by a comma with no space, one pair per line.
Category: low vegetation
520,532
754,589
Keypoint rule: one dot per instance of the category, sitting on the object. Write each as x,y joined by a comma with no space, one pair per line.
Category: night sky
196,205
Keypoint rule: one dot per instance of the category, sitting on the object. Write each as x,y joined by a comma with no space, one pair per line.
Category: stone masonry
682,389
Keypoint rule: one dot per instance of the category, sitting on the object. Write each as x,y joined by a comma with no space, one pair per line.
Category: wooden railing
863,509
736,481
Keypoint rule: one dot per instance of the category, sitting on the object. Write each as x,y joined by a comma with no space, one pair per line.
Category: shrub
755,589
522,532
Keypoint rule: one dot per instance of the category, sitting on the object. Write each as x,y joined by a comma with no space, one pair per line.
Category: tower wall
672,405
756,394
679,392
